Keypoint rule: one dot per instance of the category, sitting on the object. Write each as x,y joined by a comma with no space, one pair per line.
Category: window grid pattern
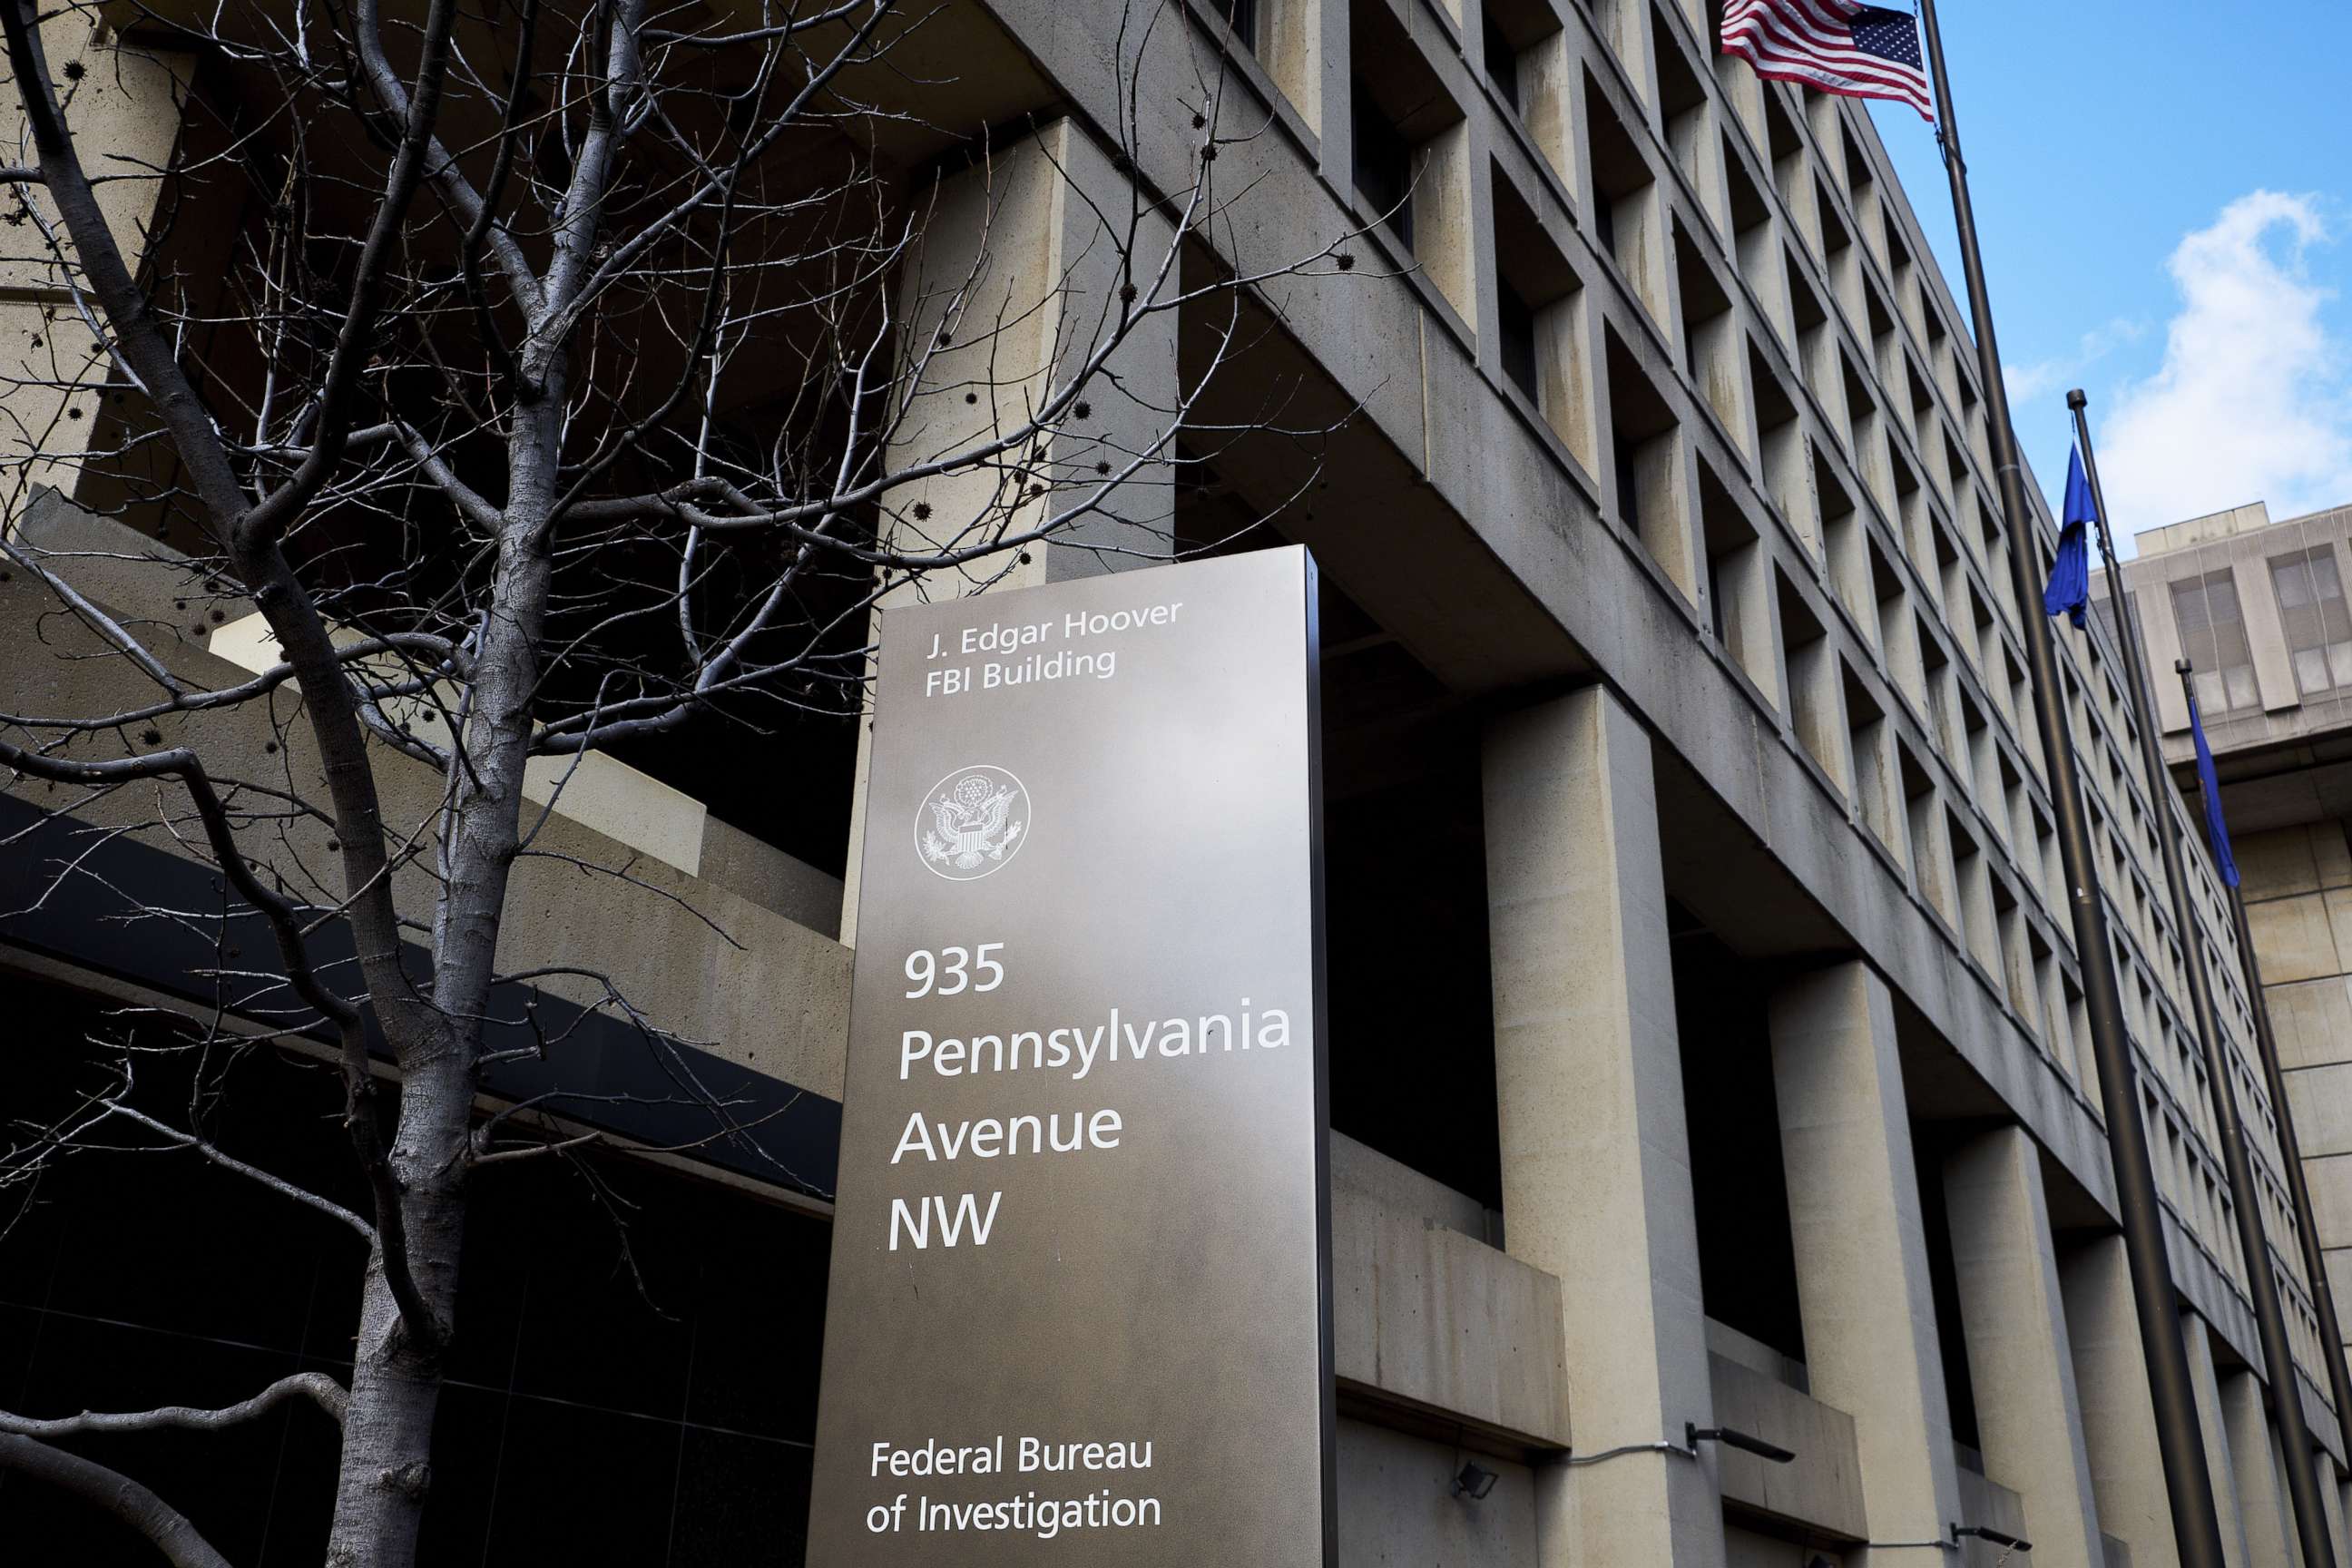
1821,282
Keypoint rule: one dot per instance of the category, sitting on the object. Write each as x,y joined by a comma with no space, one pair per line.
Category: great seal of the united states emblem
971,822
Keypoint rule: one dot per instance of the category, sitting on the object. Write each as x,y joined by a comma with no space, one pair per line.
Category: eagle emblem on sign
971,822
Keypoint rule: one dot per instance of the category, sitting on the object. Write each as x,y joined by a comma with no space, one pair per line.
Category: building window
2214,636
2319,627
1502,59
1241,16
1383,164
1515,322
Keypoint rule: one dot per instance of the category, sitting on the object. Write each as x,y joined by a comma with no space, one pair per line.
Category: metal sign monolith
1079,1310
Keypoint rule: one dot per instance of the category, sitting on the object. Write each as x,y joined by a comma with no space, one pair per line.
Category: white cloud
2252,400
2028,382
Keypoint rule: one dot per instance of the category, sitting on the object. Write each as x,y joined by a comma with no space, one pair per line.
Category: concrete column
127,101
1015,287
1862,1250
2118,1414
2160,633
2262,1487
2028,1423
1595,1154
1548,80
1296,49
2265,635
2218,1460
2324,1465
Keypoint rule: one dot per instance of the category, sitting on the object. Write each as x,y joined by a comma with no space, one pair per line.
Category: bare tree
577,374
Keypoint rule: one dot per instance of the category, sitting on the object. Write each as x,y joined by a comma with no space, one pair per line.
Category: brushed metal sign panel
1079,1307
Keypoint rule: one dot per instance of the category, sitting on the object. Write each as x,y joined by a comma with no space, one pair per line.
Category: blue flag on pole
2217,831
2070,574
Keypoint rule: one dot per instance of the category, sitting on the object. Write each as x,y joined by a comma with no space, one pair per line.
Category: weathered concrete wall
1821,1488
1398,1509
769,992
52,370
1432,1318
2297,883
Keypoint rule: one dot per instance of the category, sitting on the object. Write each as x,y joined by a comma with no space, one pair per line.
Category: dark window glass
1516,329
653,1408
1502,61
1629,490
1241,16
1383,164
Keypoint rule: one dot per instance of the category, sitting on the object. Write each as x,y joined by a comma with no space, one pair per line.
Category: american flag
1838,46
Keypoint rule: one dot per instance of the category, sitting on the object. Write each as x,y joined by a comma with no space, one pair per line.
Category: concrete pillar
2262,1488
2118,1414
2029,1424
2324,1465
127,101
1862,1288
2218,1460
1017,285
1453,206
1014,289
1595,1154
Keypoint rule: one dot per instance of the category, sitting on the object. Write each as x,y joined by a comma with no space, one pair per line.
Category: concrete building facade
1711,1051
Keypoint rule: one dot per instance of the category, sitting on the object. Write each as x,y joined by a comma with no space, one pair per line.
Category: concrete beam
1431,1320
1821,1488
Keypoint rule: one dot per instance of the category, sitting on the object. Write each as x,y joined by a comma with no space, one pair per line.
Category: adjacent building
1707,1042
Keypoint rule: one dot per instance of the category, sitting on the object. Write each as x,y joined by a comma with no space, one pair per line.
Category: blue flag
2217,832
2070,574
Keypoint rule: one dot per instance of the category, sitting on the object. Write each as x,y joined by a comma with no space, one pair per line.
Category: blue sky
2164,192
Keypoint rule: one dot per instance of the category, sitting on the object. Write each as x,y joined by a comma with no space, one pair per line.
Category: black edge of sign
1328,1395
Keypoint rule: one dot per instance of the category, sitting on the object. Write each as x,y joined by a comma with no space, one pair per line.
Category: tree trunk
387,1441
387,1472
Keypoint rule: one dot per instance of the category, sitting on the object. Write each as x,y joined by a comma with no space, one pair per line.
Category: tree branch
266,523
316,1387
285,925
228,1162
118,1494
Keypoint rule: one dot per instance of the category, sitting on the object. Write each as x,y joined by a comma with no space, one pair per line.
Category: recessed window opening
1541,342
1242,16
1646,447
2312,611
2213,637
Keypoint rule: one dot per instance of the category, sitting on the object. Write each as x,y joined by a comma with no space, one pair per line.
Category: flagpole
2188,1486
2253,1243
